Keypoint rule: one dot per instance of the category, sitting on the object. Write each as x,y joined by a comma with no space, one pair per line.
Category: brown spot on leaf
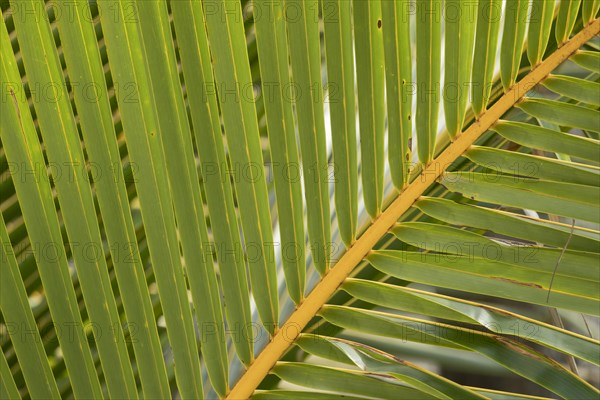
534,285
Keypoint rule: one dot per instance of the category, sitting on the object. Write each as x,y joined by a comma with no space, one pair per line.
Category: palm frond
219,199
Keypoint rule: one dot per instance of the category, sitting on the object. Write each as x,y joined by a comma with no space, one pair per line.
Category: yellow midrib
329,284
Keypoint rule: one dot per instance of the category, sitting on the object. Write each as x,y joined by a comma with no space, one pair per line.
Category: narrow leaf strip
587,59
372,360
300,395
127,63
565,20
513,33
20,141
549,140
78,37
540,24
563,114
496,320
189,23
345,381
230,59
484,58
460,18
174,131
484,275
533,194
508,353
589,10
305,54
370,79
449,240
18,318
429,22
337,21
61,140
529,166
507,224
399,93
8,387
273,54
575,88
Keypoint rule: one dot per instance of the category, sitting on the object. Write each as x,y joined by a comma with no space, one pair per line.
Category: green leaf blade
201,91
429,15
372,360
538,34
305,54
460,19
484,58
485,275
565,20
494,319
225,34
370,80
546,196
399,96
589,11
562,114
337,21
78,37
508,224
8,387
548,139
35,198
59,131
513,33
504,351
578,89
124,47
509,162
343,381
589,60
17,314
273,55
